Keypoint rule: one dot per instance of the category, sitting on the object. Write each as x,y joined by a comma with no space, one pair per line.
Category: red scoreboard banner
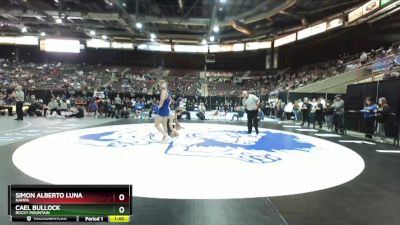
70,203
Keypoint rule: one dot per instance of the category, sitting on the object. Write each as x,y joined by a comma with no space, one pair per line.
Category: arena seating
58,76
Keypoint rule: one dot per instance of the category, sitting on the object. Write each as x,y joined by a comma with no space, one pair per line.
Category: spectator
124,113
79,113
383,118
63,106
202,112
319,113
370,110
118,103
296,111
363,58
312,111
328,111
338,116
305,110
260,114
53,107
239,113
34,108
288,111
3,104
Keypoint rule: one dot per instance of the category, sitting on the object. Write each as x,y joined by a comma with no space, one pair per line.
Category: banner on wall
385,64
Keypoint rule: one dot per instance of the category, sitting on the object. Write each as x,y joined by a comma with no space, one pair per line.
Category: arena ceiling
180,21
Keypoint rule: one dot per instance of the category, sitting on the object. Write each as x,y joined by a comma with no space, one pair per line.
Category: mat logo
260,149
267,147
118,139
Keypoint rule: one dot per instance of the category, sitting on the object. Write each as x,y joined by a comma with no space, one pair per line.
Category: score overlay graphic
70,203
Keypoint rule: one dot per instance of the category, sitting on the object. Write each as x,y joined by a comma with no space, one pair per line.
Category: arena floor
213,174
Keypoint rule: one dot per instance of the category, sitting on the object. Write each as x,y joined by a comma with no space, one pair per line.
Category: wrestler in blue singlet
164,110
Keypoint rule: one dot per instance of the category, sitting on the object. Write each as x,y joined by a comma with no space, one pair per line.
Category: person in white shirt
19,98
63,106
202,112
323,102
251,103
288,110
53,106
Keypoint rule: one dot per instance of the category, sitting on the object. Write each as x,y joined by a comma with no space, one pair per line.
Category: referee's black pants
252,120
18,107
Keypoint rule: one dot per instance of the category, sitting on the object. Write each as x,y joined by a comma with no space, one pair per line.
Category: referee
19,98
251,103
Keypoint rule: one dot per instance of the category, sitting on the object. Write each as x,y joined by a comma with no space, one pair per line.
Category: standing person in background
268,110
319,113
118,104
251,104
278,109
323,101
163,110
288,111
312,116
370,110
19,99
383,117
328,111
338,113
305,110
296,111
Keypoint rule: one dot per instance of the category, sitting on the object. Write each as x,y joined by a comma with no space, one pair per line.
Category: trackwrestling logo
225,143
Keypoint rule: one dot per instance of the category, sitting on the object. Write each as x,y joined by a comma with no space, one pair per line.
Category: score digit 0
121,210
121,197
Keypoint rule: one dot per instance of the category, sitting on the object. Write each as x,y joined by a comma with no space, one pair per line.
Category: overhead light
212,38
42,34
108,2
124,4
222,1
216,29
139,25
92,32
58,20
104,37
204,42
24,30
39,18
56,1
153,36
